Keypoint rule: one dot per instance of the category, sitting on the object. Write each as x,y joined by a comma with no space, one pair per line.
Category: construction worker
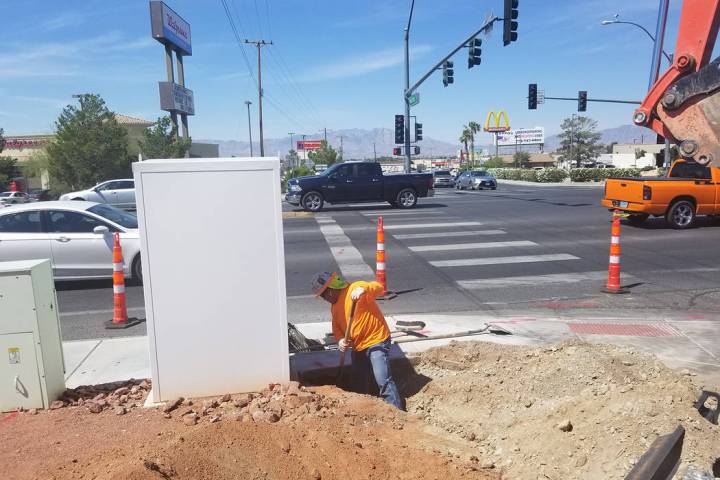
369,338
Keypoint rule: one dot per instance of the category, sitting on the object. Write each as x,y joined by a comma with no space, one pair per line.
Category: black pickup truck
357,182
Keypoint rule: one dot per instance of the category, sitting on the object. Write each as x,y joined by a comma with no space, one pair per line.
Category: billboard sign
169,28
176,98
309,144
522,136
494,122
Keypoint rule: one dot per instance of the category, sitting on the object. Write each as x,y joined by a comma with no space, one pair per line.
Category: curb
557,184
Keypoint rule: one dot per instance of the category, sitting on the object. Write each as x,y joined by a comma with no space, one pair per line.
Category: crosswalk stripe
412,236
472,246
432,225
469,262
349,259
413,212
487,283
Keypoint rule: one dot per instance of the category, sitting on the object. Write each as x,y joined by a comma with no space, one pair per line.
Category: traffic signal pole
406,96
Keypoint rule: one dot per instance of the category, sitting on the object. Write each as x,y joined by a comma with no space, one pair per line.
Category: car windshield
443,173
115,215
481,173
330,170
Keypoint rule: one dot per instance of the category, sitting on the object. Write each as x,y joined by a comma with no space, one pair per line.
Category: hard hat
321,281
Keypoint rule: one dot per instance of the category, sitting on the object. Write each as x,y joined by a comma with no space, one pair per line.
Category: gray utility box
31,358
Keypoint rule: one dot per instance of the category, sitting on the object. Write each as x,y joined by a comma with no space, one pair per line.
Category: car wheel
136,270
77,199
407,198
312,202
681,215
637,218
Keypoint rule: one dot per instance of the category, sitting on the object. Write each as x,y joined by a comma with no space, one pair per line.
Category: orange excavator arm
684,104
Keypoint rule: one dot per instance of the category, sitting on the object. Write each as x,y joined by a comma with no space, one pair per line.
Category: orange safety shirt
369,326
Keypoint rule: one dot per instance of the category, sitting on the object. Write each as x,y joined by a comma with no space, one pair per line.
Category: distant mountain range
357,144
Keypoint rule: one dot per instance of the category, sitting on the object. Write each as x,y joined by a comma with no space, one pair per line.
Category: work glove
357,292
344,345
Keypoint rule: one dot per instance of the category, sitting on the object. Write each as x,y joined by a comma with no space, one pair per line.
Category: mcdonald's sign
493,122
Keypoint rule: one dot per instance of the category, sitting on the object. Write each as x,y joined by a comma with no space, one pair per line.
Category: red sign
309,144
19,144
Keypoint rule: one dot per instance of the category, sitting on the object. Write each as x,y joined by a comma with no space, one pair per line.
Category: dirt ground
476,411
571,411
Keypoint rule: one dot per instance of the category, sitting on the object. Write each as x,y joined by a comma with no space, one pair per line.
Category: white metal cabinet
31,358
213,275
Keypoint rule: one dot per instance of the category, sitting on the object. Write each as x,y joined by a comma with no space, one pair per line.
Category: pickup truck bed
358,182
688,190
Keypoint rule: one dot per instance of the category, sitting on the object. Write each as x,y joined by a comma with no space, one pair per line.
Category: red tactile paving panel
627,329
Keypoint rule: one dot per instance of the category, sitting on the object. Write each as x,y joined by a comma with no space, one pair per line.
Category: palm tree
466,137
474,128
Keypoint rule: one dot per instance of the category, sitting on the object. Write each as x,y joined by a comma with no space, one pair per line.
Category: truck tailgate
624,189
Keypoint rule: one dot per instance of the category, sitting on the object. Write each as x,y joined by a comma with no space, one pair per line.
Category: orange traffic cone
613,283
120,318
380,276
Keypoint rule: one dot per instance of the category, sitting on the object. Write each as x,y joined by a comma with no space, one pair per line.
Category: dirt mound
283,432
573,411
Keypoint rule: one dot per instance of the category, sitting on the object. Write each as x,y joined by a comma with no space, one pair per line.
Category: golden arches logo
493,123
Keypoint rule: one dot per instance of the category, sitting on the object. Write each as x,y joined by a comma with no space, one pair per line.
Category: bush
529,175
295,172
551,175
647,168
599,174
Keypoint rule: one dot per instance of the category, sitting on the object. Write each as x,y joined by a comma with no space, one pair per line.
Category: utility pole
259,44
657,60
291,142
374,153
325,129
248,103
341,146
406,91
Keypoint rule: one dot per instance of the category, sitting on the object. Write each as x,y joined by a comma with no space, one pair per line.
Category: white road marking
472,246
348,258
432,225
413,212
412,236
469,262
502,282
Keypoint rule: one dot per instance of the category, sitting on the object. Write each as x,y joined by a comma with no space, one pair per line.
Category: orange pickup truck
688,190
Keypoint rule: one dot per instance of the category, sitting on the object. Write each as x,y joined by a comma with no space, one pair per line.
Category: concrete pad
112,360
75,353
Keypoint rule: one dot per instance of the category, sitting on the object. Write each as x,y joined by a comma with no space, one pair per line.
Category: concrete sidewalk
549,184
679,340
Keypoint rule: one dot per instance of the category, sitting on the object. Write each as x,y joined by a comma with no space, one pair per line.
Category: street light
248,103
616,20
291,140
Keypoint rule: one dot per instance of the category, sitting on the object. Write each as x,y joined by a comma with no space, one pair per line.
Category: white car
118,193
9,198
76,236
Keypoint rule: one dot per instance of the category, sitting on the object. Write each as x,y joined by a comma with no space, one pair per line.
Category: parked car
118,193
39,195
476,180
76,236
11,198
357,182
443,178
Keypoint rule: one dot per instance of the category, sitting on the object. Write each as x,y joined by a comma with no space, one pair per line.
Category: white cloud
362,64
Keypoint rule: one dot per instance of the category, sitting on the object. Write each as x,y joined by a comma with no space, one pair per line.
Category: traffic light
510,26
416,150
474,52
397,151
532,96
448,73
399,129
582,101
418,132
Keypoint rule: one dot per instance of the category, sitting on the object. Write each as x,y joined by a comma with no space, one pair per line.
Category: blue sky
334,64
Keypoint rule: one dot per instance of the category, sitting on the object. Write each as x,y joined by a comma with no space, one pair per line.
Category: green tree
474,128
292,159
579,140
609,147
7,165
89,146
495,162
465,137
325,155
161,141
2,140
521,159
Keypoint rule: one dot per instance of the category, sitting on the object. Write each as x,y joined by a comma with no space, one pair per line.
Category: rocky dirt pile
283,432
573,411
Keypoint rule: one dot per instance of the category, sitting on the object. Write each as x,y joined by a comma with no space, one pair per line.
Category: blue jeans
377,359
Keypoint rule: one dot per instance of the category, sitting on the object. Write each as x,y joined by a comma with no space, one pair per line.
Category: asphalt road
516,249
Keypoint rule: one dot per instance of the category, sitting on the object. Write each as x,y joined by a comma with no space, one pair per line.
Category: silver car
442,178
118,193
10,198
76,236
475,180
